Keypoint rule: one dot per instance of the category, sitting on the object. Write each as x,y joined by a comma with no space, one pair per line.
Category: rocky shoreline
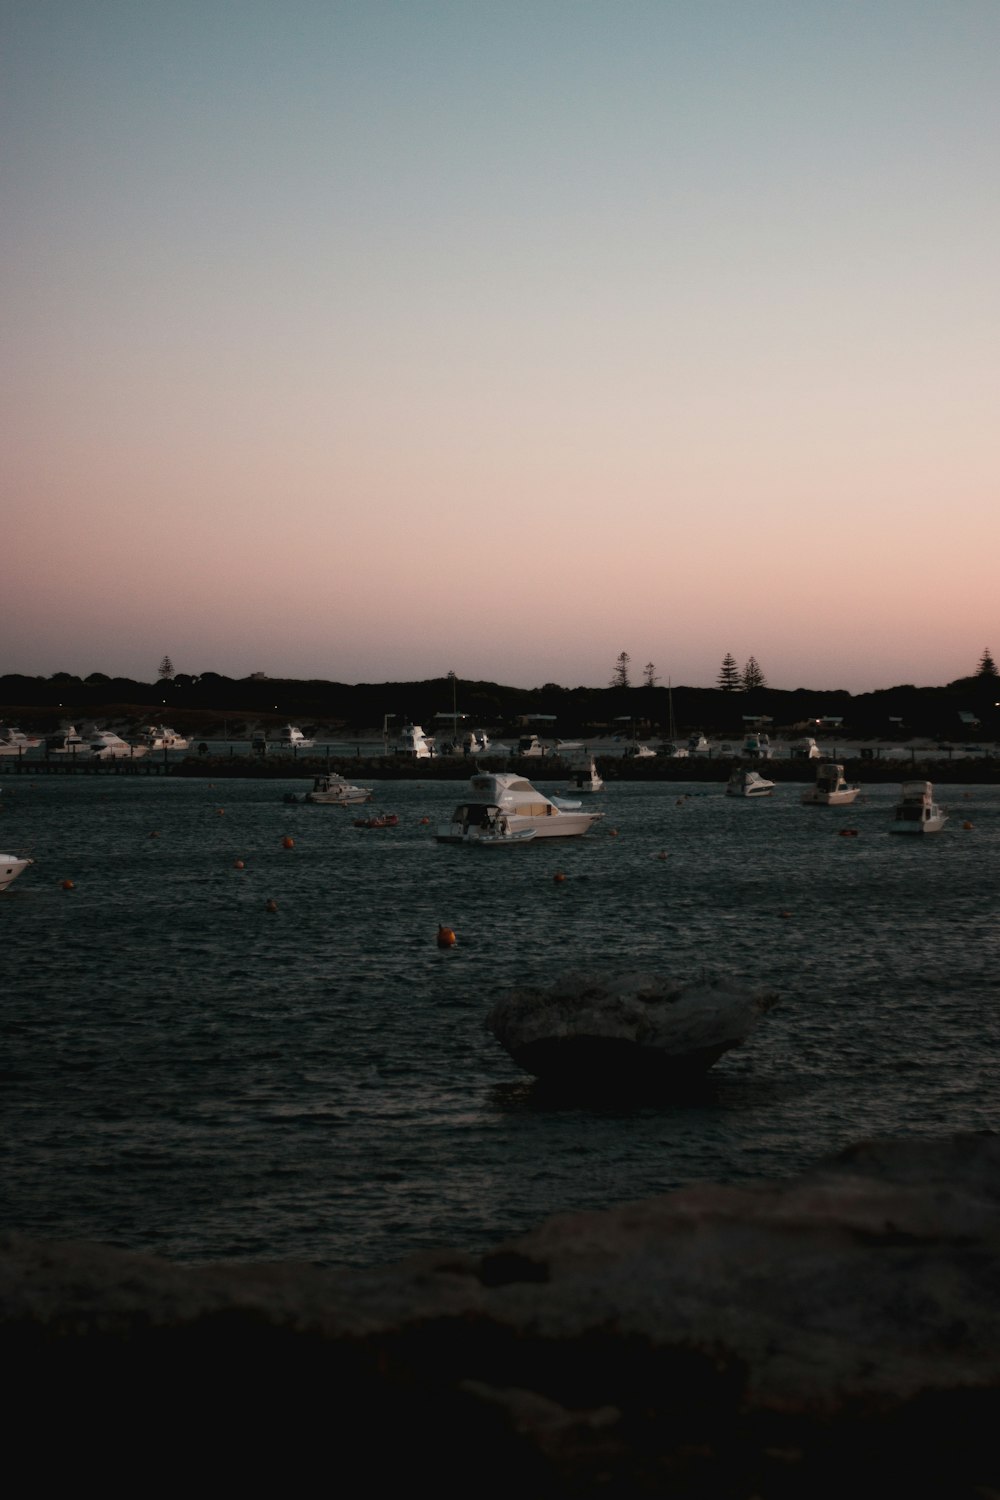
809,1337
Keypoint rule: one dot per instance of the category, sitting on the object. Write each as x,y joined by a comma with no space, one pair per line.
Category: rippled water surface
186,1072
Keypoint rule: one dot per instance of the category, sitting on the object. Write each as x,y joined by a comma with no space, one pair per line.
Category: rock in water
629,1026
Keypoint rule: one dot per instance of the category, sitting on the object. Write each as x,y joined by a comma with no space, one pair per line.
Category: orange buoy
967,825
154,835
239,865
221,811
558,876
271,905
784,914
662,854
67,885
446,937
287,843
613,833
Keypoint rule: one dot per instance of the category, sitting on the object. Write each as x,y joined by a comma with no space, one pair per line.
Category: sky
370,340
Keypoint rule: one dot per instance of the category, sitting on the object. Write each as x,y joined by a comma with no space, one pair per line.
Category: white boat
672,751
757,746
697,743
830,790
743,783
160,737
806,749
637,751
530,744
502,803
67,742
587,779
14,741
337,791
413,741
10,868
916,811
106,745
294,739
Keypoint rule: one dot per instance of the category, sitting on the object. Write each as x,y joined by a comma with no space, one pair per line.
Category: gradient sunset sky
374,340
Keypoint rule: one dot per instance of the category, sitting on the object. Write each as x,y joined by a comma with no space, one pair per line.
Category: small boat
831,790
587,779
916,811
530,744
697,743
159,737
744,783
502,803
503,836
381,820
10,868
334,791
672,751
106,745
636,751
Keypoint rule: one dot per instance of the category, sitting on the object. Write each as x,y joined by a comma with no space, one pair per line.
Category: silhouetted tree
753,677
987,666
729,675
649,675
620,678
166,667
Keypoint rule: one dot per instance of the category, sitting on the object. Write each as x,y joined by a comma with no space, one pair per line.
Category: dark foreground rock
625,1028
830,1335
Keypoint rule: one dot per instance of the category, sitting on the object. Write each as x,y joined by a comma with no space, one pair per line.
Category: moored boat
292,738
380,820
160,737
334,791
743,783
587,778
10,868
830,790
504,803
106,745
916,811
14,741
413,741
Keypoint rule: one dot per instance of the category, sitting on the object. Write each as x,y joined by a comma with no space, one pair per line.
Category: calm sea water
188,1073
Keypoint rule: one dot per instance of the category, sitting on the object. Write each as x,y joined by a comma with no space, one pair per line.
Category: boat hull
11,868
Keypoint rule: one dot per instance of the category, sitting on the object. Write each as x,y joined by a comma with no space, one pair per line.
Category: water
187,1073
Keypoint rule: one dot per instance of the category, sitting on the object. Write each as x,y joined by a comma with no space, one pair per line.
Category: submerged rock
637,1025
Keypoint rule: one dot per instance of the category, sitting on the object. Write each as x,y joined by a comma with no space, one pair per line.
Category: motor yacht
67,742
413,741
334,791
106,745
806,749
160,737
637,751
501,806
830,790
291,738
587,779
10,868
743,783
757,746
916,811
14,741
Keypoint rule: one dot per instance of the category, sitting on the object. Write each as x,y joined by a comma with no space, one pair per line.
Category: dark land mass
966,711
